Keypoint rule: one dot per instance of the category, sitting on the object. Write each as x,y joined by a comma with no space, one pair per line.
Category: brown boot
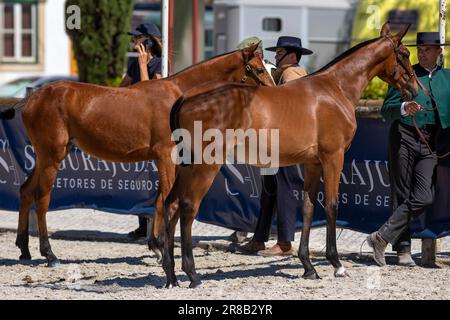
405,259
252,246
378,244
281,248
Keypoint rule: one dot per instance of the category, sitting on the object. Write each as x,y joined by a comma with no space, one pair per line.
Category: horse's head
253,70
398,71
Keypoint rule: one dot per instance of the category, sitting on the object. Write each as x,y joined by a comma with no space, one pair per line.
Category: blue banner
232,202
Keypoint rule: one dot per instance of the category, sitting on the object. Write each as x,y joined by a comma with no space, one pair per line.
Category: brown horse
116,124
315,118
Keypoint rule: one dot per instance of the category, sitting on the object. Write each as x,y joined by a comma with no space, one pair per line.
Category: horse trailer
324,26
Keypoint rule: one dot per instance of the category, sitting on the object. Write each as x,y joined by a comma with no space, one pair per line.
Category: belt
428,130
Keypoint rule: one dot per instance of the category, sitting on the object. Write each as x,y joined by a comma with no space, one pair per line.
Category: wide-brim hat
290,43
428,39
249,42
146,29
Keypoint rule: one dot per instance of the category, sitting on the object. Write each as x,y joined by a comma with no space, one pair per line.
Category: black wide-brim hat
428,39
290,43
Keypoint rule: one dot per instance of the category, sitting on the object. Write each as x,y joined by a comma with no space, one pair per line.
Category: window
18,34
209,33
272,24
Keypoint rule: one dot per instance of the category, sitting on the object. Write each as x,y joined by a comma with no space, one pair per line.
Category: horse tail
10,113
175,124
175,114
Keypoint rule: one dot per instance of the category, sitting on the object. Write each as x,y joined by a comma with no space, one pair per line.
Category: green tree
376,90
101,42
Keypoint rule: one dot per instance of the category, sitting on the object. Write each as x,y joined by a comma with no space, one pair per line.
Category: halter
401,62
425,90
249,71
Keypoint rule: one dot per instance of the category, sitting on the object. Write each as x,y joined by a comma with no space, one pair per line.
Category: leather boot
405,259
378,244
252,246
281,248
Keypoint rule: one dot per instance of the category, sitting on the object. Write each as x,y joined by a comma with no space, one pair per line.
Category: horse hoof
25,258
311,275
172,285
53,264
341,273
196,285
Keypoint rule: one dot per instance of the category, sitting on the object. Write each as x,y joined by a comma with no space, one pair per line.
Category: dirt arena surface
120,270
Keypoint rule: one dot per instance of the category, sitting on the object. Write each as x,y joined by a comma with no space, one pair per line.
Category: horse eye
260,70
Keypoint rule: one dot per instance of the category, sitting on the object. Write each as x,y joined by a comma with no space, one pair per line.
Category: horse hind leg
47,166
26,201
167,177
311,187
196,186
166,235
46,179
152,242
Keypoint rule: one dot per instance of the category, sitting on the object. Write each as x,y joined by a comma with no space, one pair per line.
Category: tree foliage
376,90
101,43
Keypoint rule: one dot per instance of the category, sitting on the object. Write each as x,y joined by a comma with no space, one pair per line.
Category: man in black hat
288,53
274,197
147,42
412,156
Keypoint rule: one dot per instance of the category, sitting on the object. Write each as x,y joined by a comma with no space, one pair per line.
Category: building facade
33,41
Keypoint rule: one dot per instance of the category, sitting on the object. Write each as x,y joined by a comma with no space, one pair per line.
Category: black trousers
442,197
142,222
277,199
412,174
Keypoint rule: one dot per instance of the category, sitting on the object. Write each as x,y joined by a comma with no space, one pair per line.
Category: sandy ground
118,270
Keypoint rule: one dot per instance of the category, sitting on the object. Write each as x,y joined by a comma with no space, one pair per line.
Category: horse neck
222,68
354,73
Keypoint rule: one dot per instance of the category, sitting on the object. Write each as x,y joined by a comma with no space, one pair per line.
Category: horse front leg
311,188
166,171
332,167
153,243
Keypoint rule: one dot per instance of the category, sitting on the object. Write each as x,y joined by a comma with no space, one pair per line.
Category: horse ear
386,29
249,52
399,36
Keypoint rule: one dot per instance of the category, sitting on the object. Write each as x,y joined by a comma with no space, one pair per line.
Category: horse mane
344,55
204,62
220,88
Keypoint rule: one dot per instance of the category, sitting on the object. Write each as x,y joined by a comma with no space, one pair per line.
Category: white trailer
323,25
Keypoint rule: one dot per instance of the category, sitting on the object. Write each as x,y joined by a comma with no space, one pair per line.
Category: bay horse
116,124
315,118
